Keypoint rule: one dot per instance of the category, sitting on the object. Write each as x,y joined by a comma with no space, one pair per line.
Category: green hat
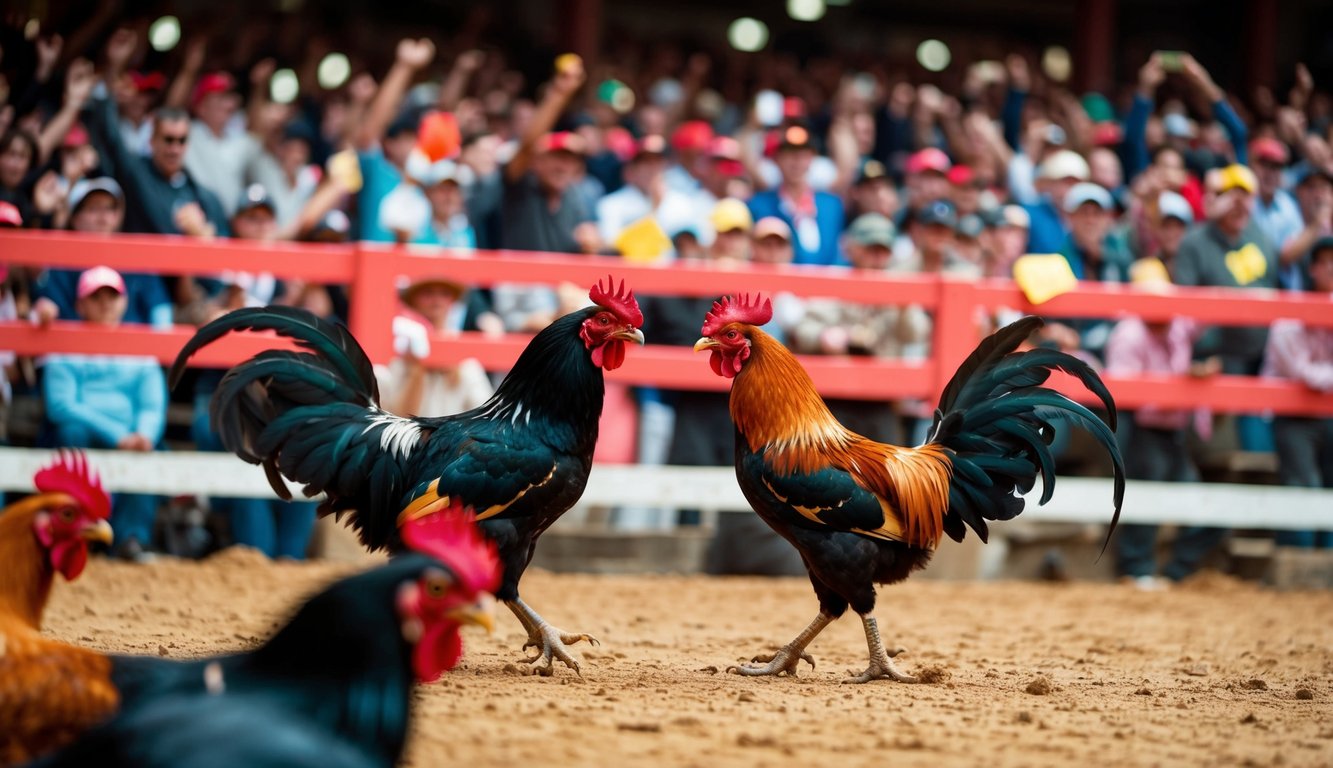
1098,108
872,229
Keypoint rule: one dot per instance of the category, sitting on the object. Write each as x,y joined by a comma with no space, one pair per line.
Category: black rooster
520,460
338,677
863,513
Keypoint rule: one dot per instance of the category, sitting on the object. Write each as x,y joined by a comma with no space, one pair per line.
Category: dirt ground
1216,672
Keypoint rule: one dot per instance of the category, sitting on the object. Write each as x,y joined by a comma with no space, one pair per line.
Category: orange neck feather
25,577
779,413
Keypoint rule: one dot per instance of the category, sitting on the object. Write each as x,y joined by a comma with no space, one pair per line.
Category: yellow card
644,240
1247,264
1043,276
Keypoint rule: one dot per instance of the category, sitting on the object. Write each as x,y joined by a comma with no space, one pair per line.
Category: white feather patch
400,436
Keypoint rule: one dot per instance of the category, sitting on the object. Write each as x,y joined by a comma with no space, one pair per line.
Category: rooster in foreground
334,687
521,459
48,690
863,513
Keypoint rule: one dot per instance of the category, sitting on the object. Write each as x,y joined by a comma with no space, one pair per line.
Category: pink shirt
1300,354
1133,349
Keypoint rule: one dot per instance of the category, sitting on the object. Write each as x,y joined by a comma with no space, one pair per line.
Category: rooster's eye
67,514
603,319
732,334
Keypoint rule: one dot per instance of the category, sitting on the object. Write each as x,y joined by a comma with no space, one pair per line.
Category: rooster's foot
551,644
881,661
785,661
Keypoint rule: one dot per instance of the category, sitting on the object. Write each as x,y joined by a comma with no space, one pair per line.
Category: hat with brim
83,188
254,196
409,293
771,226
871,229
1234,176
562,141
97,278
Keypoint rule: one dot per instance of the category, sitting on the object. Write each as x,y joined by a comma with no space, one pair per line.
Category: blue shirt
378,178
809,246
1047,232
113,396
148,301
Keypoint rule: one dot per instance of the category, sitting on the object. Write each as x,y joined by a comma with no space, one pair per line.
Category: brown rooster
863,513
48,691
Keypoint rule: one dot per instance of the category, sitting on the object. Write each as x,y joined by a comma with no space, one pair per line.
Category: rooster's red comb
70,473
739,309
450,535
621,304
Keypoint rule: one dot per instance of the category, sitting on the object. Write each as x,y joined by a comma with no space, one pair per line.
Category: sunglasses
176,139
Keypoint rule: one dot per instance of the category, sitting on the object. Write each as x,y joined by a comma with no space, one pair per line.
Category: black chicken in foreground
520,460
332,688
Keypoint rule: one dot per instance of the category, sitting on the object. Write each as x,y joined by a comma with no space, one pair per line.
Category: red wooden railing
371,272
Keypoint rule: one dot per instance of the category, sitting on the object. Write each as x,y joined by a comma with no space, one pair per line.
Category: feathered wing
312,416
998,422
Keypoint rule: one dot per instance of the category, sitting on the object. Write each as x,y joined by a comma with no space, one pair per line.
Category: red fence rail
371,272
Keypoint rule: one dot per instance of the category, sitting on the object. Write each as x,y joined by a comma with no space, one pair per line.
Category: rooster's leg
881,662
551,642
788,657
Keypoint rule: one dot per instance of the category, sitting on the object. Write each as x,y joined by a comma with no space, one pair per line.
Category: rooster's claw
784,661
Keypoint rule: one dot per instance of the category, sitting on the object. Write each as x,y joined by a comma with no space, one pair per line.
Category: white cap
1172,206
1087,192
1064,164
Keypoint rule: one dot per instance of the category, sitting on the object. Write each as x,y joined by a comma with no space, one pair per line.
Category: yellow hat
731,214
1150,274
1232,177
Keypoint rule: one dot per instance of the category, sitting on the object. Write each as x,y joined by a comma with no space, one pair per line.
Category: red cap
929,159
1268,149
214,82
961,175
692,136
9,215
1107,134
561,141
76,137
148,81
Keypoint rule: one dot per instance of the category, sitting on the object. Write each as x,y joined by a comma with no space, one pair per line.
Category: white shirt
627,205
219,162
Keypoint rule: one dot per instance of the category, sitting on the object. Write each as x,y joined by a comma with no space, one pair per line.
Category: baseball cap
1015,216
971,226
9,215
692,136
84,187
1322,244
1234,176
872,229
254,196
404,123
871,170
726,154
928,159
99,277
1266,149
1176,124
561,141
961,175
1311,171
1173,206
795,137
1087,192
771,226
213,82
148,81
77,136
1149,273
442,171
730,214
1064,164
938,212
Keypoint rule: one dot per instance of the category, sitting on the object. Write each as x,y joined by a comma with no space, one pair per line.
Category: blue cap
938,212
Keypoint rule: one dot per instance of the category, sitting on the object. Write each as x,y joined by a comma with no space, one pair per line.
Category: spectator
873,192
410,385
1276,212
1229,250
965,189
441,196
836,327
930,247
1314,191
1056,175
1093,251
220,147
104,401
927,178
646,195
1305,355
732,222
1174,218
770,241
815,217
97,206
1008,241
1155,448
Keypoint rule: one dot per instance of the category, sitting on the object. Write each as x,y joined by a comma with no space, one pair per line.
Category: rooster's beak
99,531
630,334
705,343
480,613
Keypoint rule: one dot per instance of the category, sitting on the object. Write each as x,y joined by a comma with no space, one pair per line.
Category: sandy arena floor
1214,673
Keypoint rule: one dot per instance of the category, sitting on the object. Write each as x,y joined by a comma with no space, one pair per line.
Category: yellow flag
644,240
1043,276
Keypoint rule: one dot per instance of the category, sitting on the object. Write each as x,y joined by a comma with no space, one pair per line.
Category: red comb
70,474
737,310
622,305
451,536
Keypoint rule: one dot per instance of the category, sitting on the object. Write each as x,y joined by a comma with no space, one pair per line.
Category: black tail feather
997,419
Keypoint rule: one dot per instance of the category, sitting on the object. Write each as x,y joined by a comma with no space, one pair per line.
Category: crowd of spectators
670,157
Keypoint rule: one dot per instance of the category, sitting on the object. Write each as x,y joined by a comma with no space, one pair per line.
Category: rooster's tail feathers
997,419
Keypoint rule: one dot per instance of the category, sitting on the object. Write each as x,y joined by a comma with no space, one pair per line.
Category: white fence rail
1077,499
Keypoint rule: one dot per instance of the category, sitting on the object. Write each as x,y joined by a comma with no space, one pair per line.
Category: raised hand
1151,75
48,53
79,81
120,48
415,53
262,71
569,74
